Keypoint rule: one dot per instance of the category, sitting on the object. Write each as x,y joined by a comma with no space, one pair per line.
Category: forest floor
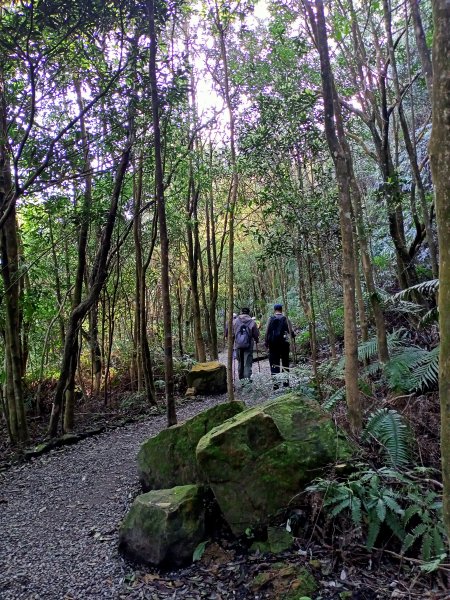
59,518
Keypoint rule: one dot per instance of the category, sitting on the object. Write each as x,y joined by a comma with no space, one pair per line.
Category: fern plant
389,429
425,288
387,498
368,350
366,500
413,369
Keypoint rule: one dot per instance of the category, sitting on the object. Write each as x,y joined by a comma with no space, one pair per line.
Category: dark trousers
279,354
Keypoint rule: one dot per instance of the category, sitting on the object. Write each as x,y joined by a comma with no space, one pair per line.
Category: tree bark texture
163,232
343,177
440,161
11,280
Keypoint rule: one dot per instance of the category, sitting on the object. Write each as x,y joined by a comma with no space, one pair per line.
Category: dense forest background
164,163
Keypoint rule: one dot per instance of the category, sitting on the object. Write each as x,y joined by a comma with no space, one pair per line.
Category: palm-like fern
425,371
368,350
413,369
426,288
389,429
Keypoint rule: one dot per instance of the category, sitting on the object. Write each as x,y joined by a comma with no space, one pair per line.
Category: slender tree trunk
193,262
422,47
343,177
232,199
163,232
440,161
11,282
98,278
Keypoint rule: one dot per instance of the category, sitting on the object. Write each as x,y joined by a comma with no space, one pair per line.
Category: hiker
278,334
245,333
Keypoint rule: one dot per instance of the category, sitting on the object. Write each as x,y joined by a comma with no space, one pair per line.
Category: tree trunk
440,161
232,199
98,278
163,233
11,282
343,177
422,47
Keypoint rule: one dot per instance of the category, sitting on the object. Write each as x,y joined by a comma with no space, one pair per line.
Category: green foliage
426,288
332,400
376,500
413,369
409,369
389,429
199,551
368,350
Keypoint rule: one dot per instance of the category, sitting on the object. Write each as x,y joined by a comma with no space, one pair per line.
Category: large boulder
163,527
257,461
168,459
208,378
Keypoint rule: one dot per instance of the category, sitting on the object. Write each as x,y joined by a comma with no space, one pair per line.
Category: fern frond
426,288
356,511
432,316
425,372
373,531
381,510
395,525
389,429
404,306
345,504
335,397
414,536
368,350
395,339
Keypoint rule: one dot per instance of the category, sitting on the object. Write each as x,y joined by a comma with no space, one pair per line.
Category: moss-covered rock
163,527
208,378
168,459
259,459
284,580
278,540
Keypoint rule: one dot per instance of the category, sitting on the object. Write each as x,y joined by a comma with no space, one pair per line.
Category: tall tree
162,221
338,147
440,160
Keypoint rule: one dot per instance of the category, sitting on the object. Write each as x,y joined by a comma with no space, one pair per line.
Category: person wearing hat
278,334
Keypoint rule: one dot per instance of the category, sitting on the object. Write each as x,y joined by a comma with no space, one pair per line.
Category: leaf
345,504
390,430
373,531
381,510
395,525
199,551
433,565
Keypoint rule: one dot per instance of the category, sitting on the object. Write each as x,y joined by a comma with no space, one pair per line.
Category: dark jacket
278,316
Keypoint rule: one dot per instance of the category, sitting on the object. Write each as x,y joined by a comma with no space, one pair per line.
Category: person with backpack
245,333
279,332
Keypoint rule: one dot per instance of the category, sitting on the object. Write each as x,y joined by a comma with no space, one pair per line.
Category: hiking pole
295,351
257,358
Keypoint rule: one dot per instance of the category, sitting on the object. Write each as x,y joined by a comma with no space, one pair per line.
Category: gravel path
59,516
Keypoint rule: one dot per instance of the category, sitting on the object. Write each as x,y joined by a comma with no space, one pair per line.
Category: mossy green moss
165,526
208,378
258,460
168,459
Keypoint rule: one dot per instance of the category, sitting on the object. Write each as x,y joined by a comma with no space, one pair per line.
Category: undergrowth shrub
385,505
